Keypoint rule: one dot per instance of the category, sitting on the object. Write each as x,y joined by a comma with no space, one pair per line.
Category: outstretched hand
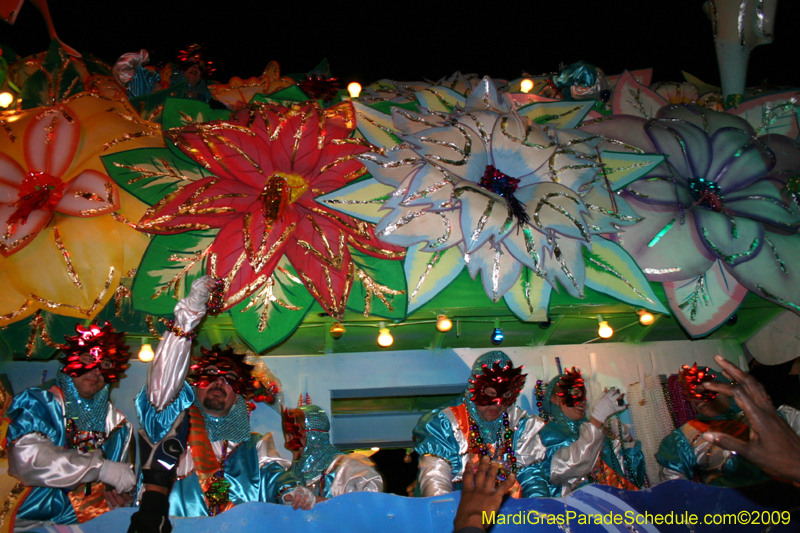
773,446
479,494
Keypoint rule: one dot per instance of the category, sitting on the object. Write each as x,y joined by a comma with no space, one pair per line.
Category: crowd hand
114,499
612,401
772,446
118,475
300,498
480,494
200,292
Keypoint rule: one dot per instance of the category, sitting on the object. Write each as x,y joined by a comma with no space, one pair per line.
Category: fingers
469,474
726,441
480,474
507,483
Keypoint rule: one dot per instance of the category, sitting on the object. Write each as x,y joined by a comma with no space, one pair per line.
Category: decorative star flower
718,221
483,186
60,213
267,166
238,92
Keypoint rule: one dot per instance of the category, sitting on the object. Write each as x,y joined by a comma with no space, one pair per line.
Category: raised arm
167,373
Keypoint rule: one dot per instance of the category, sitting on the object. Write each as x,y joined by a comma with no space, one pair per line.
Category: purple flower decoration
717,220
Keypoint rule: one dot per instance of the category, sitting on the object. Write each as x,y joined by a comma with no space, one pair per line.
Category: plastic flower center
707,194
39,191
495,181
280,191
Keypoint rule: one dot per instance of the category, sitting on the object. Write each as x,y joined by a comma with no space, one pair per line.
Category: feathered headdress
506,381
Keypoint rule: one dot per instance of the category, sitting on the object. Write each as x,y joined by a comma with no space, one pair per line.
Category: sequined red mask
95,347
504,380
217,363
691,377
571,388
294,429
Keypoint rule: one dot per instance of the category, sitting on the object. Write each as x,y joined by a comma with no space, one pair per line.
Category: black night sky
408,41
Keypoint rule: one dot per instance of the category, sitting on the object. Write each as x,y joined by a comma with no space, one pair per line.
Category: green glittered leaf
427,274
57,79
623,168
293,93
362,199
564,114
150,174
529,296
168,268
379,283
15,337
611,270
180,112
274,310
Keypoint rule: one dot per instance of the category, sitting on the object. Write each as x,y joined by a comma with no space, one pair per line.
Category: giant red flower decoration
268,165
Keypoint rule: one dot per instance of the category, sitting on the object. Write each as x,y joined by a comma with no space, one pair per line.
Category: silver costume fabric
352,473
571,464
37,462
436,476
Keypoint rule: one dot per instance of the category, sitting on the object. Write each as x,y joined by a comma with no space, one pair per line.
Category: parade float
370,245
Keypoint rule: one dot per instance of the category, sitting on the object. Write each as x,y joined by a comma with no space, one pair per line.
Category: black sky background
412,40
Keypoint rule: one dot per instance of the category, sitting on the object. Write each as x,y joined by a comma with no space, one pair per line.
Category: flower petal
527,245
427,274
738,159
409,226
704,118
731,239
666,247
774,273
688,146
430,187
89,195
13,239
622,133
297,148
499,270
704,303
517,154
632,98
11,178
206,203
667,189
484,215
457,149
555,208
764,201
564,263
392,167
51,141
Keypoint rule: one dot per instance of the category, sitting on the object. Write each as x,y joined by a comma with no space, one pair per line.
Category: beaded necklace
503,449
218,492
627,473
86,418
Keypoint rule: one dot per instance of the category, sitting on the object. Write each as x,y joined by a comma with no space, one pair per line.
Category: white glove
300,498
198,295
607,405
118,475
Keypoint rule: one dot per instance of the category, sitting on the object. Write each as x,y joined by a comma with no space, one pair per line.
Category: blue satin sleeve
434,436
554,437
533,480
36,411
676,453
635,456
156,424
115,445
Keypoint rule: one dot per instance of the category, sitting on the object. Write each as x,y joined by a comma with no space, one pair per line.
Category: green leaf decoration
150,106
15,337
152,173
528,298
56,80
180,112
427,274
362,199
274,311
168,268
564,114
440,99
378,288
293,93
623,168
376,126
610,270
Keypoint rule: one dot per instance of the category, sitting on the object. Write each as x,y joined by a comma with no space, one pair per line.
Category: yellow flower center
280,191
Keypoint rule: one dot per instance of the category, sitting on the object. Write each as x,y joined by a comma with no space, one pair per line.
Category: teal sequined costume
580,441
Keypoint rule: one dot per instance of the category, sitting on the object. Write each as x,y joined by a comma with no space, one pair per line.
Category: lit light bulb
354,88
645,317
526,85
443,323
337,330
146,352
385,338
375,449
6,98
603,330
